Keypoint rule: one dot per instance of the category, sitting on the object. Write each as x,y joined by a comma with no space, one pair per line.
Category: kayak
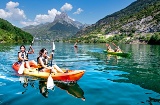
68,75
123,54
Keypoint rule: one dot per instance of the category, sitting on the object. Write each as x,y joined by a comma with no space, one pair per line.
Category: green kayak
118,53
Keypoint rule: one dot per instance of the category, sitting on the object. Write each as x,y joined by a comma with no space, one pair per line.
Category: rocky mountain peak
63,17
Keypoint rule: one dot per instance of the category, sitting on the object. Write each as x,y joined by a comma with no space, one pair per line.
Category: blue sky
33,12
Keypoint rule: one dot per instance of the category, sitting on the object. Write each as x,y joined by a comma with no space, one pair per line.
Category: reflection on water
114,80
43,88
5,47
25,81
72,88
143,68
153,100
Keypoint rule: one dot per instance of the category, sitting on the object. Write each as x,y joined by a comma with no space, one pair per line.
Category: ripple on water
108,80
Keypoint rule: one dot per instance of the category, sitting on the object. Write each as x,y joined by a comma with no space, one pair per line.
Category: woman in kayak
117,49
43,62
109,49
23,56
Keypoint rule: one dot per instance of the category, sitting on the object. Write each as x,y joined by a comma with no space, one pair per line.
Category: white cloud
42,18
12,12
79,10
66,7
15,14
27,23
11,5
47,17
4,14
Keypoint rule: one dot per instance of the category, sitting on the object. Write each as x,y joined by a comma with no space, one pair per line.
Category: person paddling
117,49
23,56
43,59
75,45
109,49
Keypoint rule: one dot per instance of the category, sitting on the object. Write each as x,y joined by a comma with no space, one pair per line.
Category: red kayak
68,75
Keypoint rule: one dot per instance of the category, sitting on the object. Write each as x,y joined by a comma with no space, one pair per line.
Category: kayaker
75,45
22,56
43,62
117,49
109,49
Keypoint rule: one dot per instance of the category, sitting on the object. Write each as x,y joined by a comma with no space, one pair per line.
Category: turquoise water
108,80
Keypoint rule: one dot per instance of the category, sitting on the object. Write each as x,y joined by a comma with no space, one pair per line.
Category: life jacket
110,50
44,61
118,50
23,55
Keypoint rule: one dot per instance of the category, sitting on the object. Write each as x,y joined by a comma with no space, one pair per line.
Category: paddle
50,81
115,45
21,68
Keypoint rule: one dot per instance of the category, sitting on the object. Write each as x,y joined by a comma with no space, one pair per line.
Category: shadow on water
5,47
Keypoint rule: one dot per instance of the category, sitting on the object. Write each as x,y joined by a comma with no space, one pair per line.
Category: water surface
108,80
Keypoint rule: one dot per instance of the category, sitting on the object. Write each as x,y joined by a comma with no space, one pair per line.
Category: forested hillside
12,34
141,16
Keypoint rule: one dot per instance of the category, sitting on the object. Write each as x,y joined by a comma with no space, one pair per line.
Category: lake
108,80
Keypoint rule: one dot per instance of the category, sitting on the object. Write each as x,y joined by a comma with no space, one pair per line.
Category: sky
23,13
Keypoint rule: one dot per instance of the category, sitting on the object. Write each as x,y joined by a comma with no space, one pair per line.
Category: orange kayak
68,75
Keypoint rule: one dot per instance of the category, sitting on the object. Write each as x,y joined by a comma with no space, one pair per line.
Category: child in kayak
23,56
43,62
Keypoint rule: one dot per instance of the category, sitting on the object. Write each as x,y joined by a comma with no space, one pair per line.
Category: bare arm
20,57
32,50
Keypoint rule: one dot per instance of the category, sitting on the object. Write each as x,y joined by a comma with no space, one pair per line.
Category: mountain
141,16
12,34
61,27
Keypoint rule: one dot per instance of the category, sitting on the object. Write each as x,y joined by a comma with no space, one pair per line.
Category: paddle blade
50,82
21,69
53,46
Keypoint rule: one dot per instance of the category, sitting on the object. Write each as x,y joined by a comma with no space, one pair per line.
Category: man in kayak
109,49
117,49
23,56
42,61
